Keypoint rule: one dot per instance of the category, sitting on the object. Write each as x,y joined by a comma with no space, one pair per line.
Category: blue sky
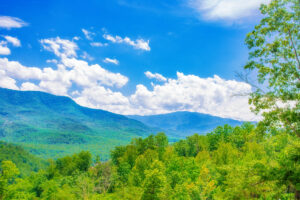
131,56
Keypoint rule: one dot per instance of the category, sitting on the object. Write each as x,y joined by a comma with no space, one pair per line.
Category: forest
251,161
228,163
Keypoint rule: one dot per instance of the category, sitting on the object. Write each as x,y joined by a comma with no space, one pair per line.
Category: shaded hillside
182,124
52,126
25,161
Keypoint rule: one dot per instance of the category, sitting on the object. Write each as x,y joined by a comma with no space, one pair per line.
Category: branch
294,48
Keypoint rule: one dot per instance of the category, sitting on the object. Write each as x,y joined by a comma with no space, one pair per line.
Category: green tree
155,182
8,172
274,52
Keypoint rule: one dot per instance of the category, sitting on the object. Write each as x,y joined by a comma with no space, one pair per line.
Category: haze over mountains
53,126
182,124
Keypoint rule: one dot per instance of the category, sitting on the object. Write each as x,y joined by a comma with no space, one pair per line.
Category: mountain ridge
44,123
184,123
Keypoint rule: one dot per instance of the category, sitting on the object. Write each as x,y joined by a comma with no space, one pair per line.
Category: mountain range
182,124
53,126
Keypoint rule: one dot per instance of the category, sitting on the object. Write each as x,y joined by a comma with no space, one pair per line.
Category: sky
140,57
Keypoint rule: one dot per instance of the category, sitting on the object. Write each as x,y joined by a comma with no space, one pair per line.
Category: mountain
53,126
182,124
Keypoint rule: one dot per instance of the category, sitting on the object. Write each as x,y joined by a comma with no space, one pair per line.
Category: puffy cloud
229,10
102,98
60,47
4,50
88,75
156,76
109,60
137,44
13,40
59,81
7,82
88,34
8,22
30,86
215,96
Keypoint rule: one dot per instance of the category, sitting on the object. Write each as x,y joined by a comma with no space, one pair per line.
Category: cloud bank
93,86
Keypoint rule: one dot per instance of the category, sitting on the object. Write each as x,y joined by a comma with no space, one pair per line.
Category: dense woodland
228,163
251,161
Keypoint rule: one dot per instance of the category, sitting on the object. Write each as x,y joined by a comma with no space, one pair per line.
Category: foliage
274,52
228,163
25,161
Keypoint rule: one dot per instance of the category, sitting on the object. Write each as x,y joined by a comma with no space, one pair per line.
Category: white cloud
8,22
102,98
30,86
137,44
7,82
13,40
109,60
4,50
213,96
88,34
60,47
59,81
98,44
97,87
156,76
229,10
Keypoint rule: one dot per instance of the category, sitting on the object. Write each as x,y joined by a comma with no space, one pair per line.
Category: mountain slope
25,161
182,124
52,126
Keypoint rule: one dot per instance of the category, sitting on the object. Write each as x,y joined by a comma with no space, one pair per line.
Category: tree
274,52
8,171
155,182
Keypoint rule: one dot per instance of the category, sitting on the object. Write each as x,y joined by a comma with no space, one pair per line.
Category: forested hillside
25,161
228,163
53,126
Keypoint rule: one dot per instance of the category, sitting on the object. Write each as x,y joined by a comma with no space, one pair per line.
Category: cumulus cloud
88,34
7,82
59,81
60,47
8,22
109,60
102,98
214,96
229,10
4,50
30,86
137,44
96,87
156,76
93,86
13,40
